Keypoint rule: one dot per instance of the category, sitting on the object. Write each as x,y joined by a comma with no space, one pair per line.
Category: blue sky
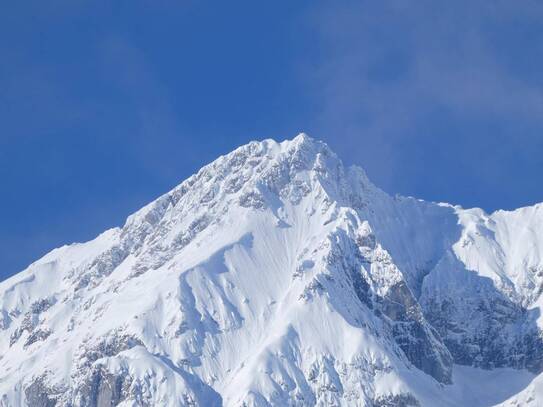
106,105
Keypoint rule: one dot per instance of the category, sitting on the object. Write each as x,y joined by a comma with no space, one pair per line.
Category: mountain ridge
277,276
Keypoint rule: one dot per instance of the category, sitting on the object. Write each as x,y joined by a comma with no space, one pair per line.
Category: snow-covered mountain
276,276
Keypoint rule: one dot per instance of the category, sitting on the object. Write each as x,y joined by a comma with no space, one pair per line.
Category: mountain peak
304,142
302,139
275,276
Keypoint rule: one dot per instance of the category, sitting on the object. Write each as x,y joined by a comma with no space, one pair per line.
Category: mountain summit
276,276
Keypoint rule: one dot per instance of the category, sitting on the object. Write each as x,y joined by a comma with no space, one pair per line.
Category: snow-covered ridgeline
275,275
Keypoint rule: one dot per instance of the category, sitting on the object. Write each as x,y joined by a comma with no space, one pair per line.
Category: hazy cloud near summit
397,78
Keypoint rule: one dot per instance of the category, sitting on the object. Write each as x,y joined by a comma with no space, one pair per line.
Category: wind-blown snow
277,276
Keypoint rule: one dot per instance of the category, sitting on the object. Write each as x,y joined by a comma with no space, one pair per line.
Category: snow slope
277,276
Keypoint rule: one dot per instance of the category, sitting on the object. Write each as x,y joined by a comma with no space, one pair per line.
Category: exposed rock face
39,394
276,276
498,333
398,400
419,341
105,389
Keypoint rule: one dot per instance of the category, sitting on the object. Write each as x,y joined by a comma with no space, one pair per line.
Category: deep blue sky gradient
106,105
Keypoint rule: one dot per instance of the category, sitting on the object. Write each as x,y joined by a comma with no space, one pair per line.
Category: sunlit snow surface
277,276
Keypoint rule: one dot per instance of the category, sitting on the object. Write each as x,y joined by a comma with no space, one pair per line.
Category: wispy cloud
391,69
